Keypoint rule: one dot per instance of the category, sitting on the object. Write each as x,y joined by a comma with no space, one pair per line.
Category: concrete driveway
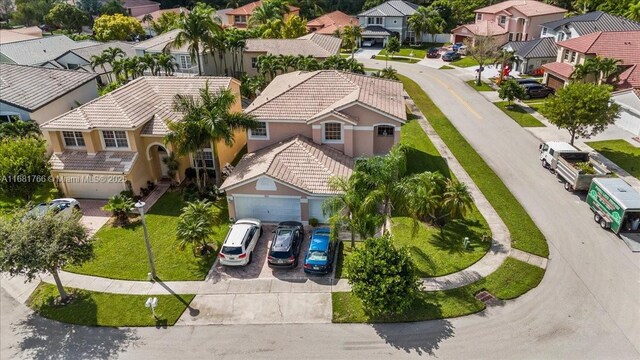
367,53
93,217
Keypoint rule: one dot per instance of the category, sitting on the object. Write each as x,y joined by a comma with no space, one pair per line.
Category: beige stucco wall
279,131
247,62
71,100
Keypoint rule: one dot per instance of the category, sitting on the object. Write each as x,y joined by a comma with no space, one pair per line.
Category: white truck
576,169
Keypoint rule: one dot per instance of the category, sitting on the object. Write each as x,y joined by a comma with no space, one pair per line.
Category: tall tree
100,60
510,90
268,10
116,27
195,30
418,22
113,7
23,165
148,19
166,63
350,36
32,245
166,22
634,12
583,109
482,49
392,48
90,6
32,12
294,27
67,17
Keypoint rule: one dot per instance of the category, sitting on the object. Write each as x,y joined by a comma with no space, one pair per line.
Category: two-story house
182,56
312,126
385,20
116,142
330,23
511,20
580,25
239,17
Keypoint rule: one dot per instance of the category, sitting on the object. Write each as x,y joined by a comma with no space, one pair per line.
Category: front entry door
162,153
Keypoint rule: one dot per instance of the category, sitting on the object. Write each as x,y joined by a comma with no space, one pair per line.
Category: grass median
483,86
525,235
105,309
518,114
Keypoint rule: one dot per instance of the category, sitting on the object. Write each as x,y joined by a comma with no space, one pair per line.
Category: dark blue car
319,258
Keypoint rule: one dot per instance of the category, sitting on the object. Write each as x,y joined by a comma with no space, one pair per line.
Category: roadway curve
587,305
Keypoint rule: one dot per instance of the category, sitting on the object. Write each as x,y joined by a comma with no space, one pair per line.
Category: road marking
463,101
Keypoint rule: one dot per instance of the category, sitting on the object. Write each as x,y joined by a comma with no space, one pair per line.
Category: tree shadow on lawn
451,237
419,161
426,259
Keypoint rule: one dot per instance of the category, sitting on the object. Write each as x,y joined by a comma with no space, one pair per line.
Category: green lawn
121,253
518,114
465,62
399,59
525,234
422,155
512,279
446,67
45,193
620,152
104,309
418,51
344,250
483,86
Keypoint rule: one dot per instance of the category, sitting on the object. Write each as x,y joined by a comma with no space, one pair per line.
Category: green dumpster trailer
616,206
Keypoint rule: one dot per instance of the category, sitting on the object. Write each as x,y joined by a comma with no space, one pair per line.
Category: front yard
121,253
8,204
483,86
518,114
620,152
395,58
418,51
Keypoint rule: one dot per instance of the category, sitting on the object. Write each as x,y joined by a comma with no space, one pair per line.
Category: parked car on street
433,52
451,56
319,257
64,206
285,246
537,91
238,246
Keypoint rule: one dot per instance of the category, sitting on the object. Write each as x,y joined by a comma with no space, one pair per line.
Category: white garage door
315,211
267,208
88,186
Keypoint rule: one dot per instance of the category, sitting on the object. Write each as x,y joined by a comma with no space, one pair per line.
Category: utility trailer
616,206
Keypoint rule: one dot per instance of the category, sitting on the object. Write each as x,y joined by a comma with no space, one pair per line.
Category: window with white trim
240,19
207,155
259,131
332,132
115,139
9,118
544,31
386,130
374,21
573,56
254,62
185,62
478,16
502,19
73,139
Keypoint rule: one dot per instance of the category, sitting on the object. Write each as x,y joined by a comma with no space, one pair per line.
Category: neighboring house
312,126
156,15
116,142
511,20
140,7
80,59
621,45
40,94
385,20
329,23
239,17
628,97
39,51
19,34
317,45
222,15
574,26
186,65
531,55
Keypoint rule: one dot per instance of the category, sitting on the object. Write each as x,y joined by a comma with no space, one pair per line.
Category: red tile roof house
312,126
329,23
512,20
239,17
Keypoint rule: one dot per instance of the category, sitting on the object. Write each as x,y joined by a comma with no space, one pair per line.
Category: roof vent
622,190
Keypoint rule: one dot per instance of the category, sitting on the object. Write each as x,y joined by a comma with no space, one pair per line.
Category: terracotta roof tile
622,45
527,7
331,22
629,78
297,161
563,69
248,8
483,28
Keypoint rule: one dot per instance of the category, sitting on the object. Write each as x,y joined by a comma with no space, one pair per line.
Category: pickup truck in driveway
576,169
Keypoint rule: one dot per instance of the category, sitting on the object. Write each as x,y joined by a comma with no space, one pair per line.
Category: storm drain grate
487,298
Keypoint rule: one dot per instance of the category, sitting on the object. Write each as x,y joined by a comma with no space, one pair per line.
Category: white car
238,246
367,43
64,206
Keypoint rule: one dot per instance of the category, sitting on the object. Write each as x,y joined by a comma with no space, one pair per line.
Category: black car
451,56
527,81
433,52
537,91
285,247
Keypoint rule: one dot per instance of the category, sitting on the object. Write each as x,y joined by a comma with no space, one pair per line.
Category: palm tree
607,67
151,63
307,63
269,10
99,60
581,71
456,200
111,55
352,65
418,22
272,29
235,41
423,193
350,36
118,69
387,73
287,62
634,12
435,24
217,45
268,64
195,225
120,206
166,63
195,31
147,19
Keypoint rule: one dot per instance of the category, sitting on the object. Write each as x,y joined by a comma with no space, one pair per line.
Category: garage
315,211
554,82
91,186
267,209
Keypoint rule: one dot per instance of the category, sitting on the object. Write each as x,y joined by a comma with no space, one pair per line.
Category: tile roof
297,161
621,45
375,31
109,161
593,22
248,8
538,48
12,35
156,14
41,50
331,22
303,96
32,87
135,104
316,45
136,3
87,52
526,7
563,69
629,78
391,8
483,28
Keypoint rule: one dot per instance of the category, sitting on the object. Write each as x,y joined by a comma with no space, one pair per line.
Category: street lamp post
140,206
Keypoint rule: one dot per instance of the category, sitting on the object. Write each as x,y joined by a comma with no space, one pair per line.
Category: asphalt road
586,307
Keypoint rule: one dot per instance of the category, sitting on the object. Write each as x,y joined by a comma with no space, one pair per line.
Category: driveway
93,217
367,53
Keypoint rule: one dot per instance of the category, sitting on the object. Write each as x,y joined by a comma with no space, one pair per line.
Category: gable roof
483,28
41,50
87,52
630,79
538,48
392,8
297,161
316,45
32,87
526,7
158,43
593,22
621,45
303,96
331,22
248,8
142,100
